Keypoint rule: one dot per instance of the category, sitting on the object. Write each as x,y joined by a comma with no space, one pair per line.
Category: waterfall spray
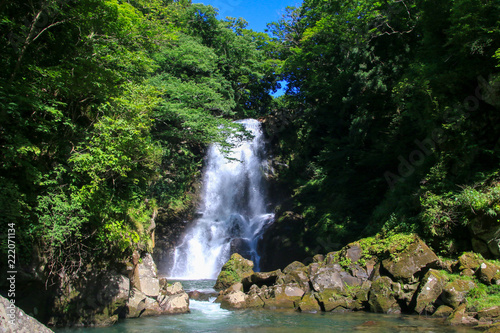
233,212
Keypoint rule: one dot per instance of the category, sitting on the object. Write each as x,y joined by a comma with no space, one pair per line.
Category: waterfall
233,211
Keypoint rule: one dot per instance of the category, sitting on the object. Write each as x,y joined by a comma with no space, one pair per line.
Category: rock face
15,320
102,298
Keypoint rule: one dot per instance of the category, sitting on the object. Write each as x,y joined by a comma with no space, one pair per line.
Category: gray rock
15,320
403,265
175,304
430,289
327,278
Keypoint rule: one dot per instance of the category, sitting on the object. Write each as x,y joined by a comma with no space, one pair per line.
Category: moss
233,271
483,297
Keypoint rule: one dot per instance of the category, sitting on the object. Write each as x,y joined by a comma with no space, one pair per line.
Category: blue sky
256,13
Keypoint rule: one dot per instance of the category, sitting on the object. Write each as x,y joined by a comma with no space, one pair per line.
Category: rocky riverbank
399,274
100,299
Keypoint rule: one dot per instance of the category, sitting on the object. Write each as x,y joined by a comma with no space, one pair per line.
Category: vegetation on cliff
106,107
391,120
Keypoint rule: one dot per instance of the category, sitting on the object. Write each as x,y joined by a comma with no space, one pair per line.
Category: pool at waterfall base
208,317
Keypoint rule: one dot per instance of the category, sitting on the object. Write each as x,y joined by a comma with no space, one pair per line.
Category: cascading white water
233,210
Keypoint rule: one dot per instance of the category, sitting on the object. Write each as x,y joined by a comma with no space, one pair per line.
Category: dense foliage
393,116
106,107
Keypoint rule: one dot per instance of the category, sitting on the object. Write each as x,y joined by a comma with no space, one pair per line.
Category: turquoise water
208,317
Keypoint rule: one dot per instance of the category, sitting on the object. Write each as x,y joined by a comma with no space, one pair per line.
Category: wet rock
460,317
233,271
175,304
404,265
444,311
431,287
454,292
382,298
308,303
15,320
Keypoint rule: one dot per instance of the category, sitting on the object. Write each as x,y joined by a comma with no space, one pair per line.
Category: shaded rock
487,273
382,298
296,265
233,271
431,287
319,258
485,228
404,265
261,278
15,320
454,292
308,303
241,246
491,313
136,303
443,311
278,244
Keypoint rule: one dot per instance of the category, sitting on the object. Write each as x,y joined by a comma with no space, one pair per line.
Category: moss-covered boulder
430,289
488,273
454,292
460,316
308,303
234,271
443,311
382,298
469,261
404,265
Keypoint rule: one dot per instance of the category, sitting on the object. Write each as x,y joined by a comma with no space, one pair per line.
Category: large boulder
430,289
404,265
382,297
234,270
454,292
144,277
15,320
327,278
488,273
